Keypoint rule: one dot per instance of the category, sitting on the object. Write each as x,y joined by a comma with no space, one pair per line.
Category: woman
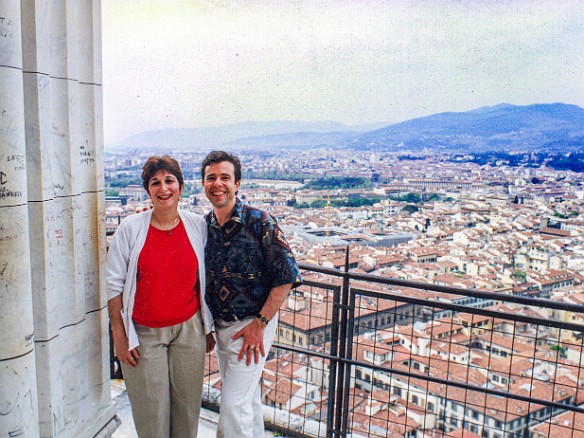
156,299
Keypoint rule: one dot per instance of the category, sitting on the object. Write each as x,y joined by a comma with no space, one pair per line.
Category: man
250,270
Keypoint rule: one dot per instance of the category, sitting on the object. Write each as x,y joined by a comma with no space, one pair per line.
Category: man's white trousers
241,413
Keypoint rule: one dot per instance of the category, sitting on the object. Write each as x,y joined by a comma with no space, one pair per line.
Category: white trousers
241,414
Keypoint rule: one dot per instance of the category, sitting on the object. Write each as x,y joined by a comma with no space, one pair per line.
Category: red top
166,289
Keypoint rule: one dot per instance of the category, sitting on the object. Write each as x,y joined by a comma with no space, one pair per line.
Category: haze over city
207,63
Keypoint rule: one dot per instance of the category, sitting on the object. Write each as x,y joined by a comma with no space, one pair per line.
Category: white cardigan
122,263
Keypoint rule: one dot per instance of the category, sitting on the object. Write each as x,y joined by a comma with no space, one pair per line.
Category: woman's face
164,190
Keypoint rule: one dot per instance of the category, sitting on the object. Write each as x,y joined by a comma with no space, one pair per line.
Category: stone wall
54,353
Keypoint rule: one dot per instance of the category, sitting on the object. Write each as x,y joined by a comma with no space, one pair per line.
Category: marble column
18,381
53,321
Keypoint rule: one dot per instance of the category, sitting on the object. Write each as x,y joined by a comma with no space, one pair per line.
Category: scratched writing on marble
3,269
57,132
7,406
19,431
89,279
61,422
16,160
86,155
29,339
14,163
59,235
10,233
18,163
5,193
6,27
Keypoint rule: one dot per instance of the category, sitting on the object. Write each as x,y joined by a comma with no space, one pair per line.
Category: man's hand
253,341
210,342
121,344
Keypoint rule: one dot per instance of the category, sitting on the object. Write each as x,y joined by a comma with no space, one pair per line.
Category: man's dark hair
155,163
215,157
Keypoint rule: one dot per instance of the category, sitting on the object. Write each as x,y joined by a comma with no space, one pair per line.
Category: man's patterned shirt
245,259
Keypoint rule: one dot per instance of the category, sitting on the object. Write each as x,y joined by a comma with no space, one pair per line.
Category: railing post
350,311
332,423
343,389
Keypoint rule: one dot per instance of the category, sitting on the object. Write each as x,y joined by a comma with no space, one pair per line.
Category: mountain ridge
500,127
215,137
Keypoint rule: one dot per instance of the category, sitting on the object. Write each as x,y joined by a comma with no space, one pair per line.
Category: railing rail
339,425
349,395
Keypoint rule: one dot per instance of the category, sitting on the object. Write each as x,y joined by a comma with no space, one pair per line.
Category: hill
540,127
288,133
502,127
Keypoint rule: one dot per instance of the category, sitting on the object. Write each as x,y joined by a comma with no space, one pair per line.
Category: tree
410,209
413,198
520,274
335,182
318,203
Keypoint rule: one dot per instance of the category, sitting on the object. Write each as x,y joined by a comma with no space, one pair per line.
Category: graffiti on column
86,154
14,163
6,27
17,166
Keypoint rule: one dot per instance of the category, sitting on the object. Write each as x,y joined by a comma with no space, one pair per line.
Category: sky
205,63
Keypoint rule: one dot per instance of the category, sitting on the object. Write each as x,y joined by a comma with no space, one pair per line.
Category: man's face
220,185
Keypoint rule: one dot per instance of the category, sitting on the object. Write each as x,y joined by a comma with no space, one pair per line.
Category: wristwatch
263,319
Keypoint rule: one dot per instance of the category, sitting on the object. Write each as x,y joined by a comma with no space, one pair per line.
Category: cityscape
439,219
439,228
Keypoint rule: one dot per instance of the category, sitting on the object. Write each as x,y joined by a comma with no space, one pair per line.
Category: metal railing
414,359
363,355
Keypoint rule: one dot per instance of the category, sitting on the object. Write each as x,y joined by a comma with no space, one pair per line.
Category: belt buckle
226,322
230,318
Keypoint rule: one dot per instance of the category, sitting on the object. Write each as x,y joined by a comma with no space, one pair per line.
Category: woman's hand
210,342
122,345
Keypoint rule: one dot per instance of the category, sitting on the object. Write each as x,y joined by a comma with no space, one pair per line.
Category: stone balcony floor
207,422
